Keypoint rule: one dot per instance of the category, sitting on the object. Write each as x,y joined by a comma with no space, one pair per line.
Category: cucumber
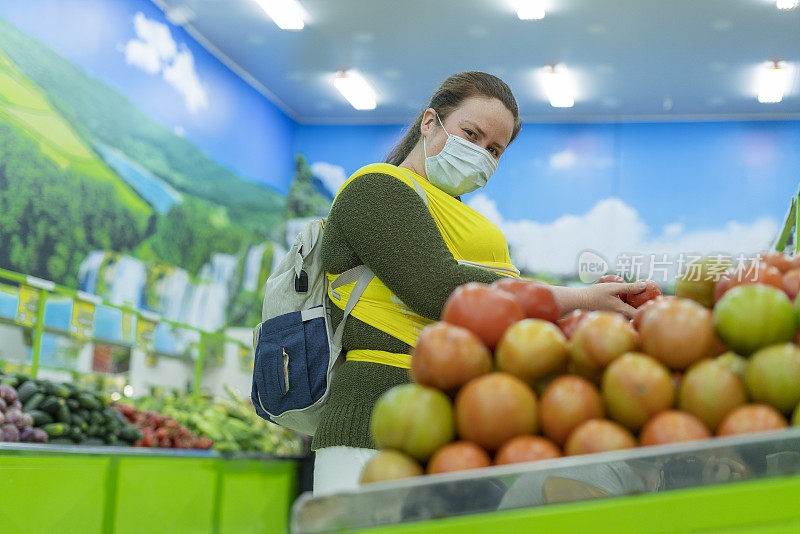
40,418
89,401
34,402
52,405
27,390
55,430
76,434
92,430
73,405
131,434
79,422
63,414
59,390
111,440
96,418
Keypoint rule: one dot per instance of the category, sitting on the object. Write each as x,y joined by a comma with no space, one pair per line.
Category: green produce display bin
86,490
744,484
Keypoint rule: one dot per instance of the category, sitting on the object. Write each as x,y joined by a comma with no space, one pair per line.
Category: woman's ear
428,119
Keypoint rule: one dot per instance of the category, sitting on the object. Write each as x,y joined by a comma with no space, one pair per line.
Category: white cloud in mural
612,228
333,176
155,51
566,159
182,75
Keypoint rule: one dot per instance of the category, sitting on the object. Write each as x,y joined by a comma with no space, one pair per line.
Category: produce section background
135,165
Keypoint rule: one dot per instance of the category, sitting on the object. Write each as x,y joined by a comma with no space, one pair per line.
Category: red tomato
526,449
482,310
650,292
780,261
567,402
570,322
494,408
599,435
791,282
637,319
458,456
761,273
673,426
536,299
752,418
448,356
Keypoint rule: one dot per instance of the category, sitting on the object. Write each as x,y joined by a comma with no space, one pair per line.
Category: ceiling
630,59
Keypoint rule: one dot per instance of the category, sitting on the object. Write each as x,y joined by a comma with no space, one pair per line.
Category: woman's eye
470,133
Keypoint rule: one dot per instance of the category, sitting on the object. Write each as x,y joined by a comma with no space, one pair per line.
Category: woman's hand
597,297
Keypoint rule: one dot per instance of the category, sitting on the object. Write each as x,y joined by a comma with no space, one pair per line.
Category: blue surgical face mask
461,167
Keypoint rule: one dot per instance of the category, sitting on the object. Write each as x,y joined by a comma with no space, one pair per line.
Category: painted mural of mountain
105,116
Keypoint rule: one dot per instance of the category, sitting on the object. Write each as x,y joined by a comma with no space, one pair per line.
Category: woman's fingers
625,309
626,289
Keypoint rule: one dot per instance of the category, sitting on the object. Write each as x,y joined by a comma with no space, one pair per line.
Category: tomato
760,273
791,283
414,419
570,322
567,402
458,456
672,426
710,391
750,317
536,299
773,376
389,465
482,310
600,338
448,356
752,418
494,408
698,280
613,279
637,319
636,387
735,363
778,260
526,449
677,332
650,292
532,349
598,435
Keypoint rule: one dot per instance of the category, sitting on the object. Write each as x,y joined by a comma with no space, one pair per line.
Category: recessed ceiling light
287,14
557,86
773,82
786,4
355,89
529,9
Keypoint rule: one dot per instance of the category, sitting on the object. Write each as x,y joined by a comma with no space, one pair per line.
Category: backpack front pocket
289,357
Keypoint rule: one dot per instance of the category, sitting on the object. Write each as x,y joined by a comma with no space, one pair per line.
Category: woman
404,220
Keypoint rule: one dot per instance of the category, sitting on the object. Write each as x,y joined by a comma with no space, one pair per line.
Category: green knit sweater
381,222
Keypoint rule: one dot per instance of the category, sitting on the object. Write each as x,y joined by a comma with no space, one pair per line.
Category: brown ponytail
453,91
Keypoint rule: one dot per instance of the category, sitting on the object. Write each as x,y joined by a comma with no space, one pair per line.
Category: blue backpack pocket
291,363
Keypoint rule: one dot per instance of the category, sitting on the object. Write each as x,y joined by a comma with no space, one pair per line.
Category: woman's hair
451,94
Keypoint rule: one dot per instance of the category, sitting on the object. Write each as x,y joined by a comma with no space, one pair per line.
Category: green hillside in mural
102,115
25,106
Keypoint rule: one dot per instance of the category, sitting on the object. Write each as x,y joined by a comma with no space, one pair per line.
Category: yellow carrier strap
379,356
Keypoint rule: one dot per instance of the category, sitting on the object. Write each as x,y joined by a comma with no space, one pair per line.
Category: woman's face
480,120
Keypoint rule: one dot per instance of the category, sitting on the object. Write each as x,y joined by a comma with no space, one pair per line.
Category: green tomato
414,419
773,376
750,317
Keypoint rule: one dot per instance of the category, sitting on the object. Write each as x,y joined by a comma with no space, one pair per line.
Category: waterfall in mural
201,301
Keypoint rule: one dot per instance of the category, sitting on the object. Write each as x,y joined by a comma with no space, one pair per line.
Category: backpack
296,348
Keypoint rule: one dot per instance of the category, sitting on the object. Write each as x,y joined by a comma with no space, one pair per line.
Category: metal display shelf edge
626,479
